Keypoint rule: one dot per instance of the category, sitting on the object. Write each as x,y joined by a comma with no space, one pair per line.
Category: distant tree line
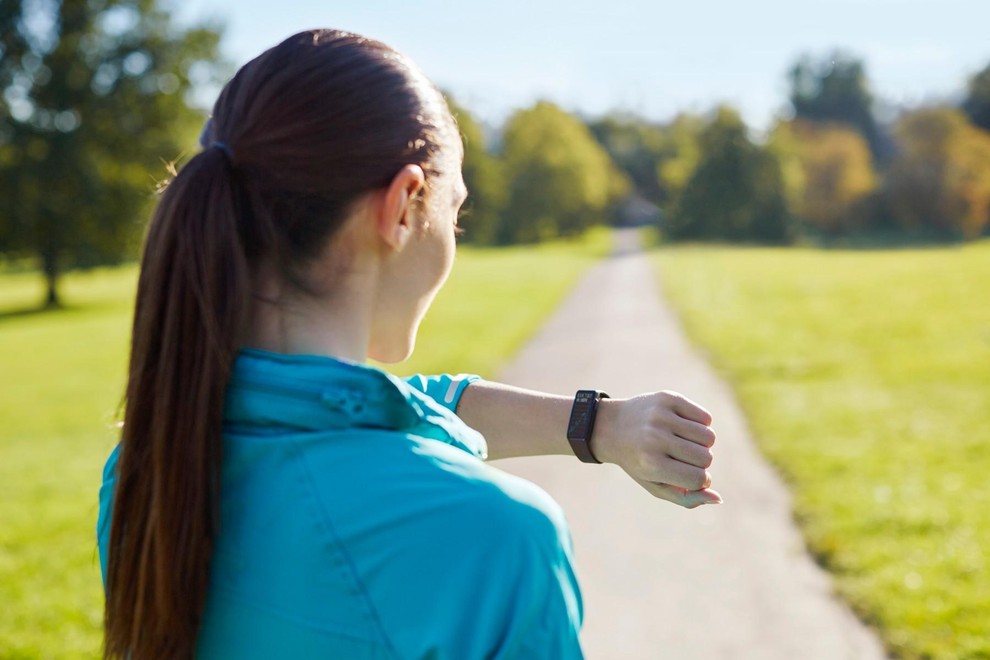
95,98
828,169
549,177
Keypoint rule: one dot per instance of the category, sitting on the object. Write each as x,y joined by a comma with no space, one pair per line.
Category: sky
655,58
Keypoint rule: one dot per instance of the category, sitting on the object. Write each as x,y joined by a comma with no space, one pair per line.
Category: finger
681,497
688,409
693,431
690,453
704,496
677,473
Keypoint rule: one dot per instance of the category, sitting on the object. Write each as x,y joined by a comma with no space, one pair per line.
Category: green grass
62,380
866,378
63,375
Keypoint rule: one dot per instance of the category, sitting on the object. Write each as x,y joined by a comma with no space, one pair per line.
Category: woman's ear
394,221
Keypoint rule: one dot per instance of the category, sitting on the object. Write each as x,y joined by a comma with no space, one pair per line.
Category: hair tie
225,148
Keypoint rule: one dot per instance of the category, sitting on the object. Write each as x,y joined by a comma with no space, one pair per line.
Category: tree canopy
827,172
484,179
561,180
941,177
977,102
835,89
682,150
96,98
636,147
736,192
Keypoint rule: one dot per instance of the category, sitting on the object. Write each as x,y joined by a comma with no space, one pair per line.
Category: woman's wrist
604,437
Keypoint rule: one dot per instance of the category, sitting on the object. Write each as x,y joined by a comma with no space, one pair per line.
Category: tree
827,171
95,99
977,102
561,181
484,180
637,147
940,179
681,153
736,192
835,89
658,159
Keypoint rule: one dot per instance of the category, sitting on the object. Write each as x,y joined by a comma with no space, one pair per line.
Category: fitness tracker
582,423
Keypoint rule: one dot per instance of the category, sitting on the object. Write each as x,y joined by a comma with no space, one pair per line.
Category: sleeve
445,389
106,509
549,609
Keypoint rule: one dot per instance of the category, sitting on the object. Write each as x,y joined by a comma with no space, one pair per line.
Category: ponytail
192,302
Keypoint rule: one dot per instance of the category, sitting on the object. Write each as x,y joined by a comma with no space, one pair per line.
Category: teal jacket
358,520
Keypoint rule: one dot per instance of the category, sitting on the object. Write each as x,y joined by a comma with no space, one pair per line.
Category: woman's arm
662,440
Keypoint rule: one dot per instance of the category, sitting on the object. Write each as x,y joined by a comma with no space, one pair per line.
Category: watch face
582,422
579,422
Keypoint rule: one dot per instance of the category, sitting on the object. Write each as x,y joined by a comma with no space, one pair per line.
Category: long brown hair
295,137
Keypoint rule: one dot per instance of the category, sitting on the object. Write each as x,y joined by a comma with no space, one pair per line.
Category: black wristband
582,423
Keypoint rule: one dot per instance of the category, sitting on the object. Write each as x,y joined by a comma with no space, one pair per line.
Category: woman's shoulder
413,479
444,543
513,502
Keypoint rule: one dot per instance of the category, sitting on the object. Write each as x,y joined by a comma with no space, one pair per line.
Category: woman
272,496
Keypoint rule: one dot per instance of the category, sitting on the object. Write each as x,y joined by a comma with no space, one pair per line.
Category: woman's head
312,127
317,121
327,154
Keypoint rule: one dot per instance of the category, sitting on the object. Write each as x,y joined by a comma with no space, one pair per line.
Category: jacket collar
276,393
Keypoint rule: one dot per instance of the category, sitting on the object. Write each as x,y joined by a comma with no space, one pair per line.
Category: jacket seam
245,599
324,514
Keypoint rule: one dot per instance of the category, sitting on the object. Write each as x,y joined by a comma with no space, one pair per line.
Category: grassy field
63,375
866,378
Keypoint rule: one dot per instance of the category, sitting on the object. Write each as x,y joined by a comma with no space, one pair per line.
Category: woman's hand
663,441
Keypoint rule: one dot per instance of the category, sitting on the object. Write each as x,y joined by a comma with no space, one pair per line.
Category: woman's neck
338,325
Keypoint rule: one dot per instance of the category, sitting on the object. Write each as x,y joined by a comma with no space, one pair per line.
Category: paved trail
724,582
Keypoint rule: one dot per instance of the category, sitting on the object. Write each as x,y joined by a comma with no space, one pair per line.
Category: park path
727,582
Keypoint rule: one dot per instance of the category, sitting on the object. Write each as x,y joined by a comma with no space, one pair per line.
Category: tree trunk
50,262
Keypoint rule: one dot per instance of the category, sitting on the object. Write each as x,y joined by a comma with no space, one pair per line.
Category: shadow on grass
55,311
34,310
